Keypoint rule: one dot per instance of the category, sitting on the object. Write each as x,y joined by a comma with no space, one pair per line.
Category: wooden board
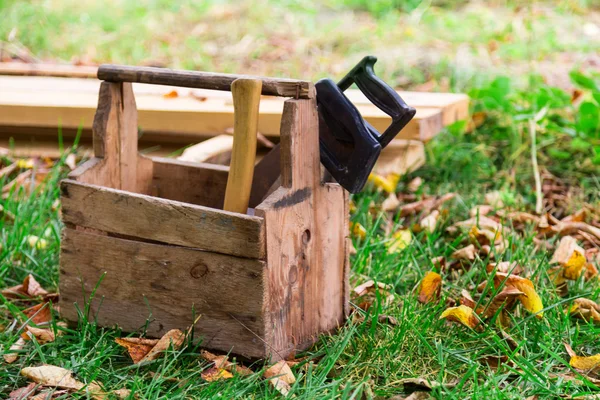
70,103
165,287
306,228
161,220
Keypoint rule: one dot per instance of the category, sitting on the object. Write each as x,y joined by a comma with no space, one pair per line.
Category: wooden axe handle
246,100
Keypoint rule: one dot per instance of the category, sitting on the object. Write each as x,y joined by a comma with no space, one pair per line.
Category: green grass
367,359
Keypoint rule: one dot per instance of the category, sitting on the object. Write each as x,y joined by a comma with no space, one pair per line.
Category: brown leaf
505,298
366,294
431,286
171,95
52,376
521,217
480,210
571,257
385,319
137,348
29,288
174,337
23,393
41,335
280,376
416,207
466,253
494,362
586,310
415,184
391,203
16,346
39,314
530,299
482,222
466,299
506,267
421,384
223,362
484,236
215,374
429,223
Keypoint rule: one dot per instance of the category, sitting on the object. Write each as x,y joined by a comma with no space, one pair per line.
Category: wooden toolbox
146,244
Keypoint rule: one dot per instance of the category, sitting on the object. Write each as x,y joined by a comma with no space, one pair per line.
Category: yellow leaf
382,183
25,164
37,242
571,257
463,314
393,179
401,240
431,286
358,230
216,374
530,299
585,363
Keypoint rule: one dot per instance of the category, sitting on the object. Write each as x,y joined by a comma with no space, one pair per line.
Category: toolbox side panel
160,220
133,283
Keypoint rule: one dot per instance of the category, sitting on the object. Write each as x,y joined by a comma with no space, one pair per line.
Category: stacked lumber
33,108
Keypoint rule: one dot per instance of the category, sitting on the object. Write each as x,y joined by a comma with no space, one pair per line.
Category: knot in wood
199,271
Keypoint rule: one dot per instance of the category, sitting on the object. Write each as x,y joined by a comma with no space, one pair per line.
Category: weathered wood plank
166,286
203,80
306,227
194,114
195,183
162,220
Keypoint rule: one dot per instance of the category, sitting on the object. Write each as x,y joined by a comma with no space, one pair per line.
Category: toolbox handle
203,80
380,94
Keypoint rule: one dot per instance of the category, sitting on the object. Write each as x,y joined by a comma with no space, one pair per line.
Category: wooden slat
195,183
164,287
203,80
71,103
162,220
56,70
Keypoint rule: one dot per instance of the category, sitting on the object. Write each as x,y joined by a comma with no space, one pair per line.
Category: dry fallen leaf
415,184
467,253
429,223
466,299
39,314
224,363
571,257
586,310
53,376
401,239
365,294
40,334
173,337
358,230
29,288
582,363
462,314
530,299
391,203
481,222
506,267
23,393
431,286
280,376
137,347
215,374
480,210
382,183
171,95
12,355
504,298
484,236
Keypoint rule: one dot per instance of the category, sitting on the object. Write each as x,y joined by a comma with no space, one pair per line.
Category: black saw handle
380,94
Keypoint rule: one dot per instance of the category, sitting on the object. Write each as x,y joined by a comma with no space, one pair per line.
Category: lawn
532,70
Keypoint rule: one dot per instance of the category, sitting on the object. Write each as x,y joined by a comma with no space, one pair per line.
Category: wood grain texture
161,220
306,227
400,157
203,80
57,70
167,286
194,114
115,135
246,97
194,183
